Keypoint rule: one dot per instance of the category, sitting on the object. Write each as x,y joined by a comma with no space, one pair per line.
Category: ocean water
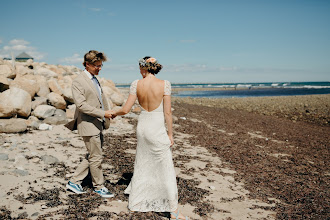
251,89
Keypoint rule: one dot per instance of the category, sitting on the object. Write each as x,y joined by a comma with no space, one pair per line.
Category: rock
108,91
117,99
56,100
60,113
33,122
23,70
55,69
54,86
29,85
48,159
67,93
45,72
38,101
45,127
7,71
110,103
21,172
20,160
55,120
44,89
13,125
4,83
107,82
116,108
35,214
44,111
3,156
15,101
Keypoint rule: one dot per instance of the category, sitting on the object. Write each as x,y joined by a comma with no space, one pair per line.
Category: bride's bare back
150,92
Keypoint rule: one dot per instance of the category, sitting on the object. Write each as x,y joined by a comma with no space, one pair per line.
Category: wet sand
235,159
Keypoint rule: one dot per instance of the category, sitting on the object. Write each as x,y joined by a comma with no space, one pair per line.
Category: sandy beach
240,158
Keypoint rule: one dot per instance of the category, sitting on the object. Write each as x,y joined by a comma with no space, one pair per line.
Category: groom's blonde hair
92,56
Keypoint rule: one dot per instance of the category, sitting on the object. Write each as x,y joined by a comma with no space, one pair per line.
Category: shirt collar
88,74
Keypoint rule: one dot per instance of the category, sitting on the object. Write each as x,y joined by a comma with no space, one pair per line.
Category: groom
91,117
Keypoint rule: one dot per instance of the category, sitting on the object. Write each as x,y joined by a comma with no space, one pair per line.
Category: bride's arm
127,107
168,117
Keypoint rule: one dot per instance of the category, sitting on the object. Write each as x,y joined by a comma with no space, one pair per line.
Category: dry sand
215,150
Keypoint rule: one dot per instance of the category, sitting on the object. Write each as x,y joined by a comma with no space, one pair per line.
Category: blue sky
195,40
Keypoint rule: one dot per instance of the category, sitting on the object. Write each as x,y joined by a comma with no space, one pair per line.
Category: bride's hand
171,139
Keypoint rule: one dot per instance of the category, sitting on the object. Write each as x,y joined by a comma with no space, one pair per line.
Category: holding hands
110,114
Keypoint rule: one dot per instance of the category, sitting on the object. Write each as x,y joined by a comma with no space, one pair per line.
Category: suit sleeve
81,103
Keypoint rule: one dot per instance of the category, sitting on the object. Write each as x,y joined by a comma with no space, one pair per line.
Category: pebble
6,145
212,187
21,172
3,156
45,127
47,159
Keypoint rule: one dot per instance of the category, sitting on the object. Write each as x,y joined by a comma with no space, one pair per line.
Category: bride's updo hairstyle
150,64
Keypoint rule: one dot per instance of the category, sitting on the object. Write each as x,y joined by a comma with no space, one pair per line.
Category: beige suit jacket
89,114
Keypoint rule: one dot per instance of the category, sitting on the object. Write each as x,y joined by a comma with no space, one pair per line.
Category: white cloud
187,41
18,42
95,9
17,46
74,59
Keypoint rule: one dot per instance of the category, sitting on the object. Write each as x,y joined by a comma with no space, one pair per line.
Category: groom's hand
108,114
113,114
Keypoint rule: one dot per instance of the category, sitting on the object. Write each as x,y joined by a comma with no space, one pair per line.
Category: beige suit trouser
93,164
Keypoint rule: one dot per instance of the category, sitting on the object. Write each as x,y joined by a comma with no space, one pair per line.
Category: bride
153,186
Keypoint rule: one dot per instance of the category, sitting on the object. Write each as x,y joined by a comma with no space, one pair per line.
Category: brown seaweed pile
290,163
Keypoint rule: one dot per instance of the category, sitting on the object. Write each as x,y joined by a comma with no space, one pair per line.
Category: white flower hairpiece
142,62
147,62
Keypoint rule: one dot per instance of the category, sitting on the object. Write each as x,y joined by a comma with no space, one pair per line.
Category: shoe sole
73,189
103,196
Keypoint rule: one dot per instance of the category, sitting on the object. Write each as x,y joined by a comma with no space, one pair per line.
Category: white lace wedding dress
153,186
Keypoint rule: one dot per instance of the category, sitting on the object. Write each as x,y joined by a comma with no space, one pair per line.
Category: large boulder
117,99
44,88
56,100
44,111
13,125
59,117
38,101
7,71
15,100
108,91
66,84
23,70
45,72
55,87
29,85
67,94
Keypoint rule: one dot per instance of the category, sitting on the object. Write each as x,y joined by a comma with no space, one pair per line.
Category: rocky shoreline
38,95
